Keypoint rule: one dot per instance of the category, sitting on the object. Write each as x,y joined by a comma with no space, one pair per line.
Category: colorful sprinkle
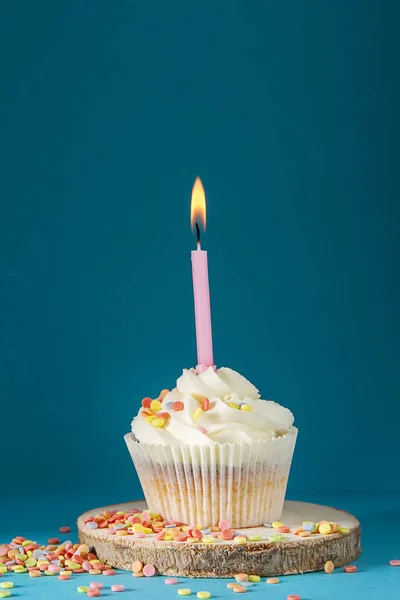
254,578
205,404
241,577
293,597
276,538
246,407
7,585
146,402
109,572
65,529
239,589
82,589
93,593
158,422
350,569
324,529
255,538
197,413
329,567
277,524
200,428
171,581
149,570
177,406
155,405
184,592
239,539
164,393
96,585
117,588
224,524
272,580
5,594
394,563
204,595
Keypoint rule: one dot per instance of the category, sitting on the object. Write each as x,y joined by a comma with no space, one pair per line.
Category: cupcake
212,449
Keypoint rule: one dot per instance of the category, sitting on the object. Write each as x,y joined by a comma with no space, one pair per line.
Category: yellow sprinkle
205,595
150,418
343,529
277,524
168,538
197,413
329,567
234,405
324,529
239,539
158,422
7,585
147,530
94,561
184,592
66,572
155,405
208,539
246,407
138,528
192,540
254,578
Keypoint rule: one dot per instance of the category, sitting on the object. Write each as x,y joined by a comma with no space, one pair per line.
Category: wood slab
291,556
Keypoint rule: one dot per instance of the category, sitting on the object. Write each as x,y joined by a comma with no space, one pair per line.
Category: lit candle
201,287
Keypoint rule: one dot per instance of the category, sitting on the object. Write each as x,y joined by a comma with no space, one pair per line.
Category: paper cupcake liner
200,485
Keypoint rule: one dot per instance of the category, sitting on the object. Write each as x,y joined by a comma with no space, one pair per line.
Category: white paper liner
200,485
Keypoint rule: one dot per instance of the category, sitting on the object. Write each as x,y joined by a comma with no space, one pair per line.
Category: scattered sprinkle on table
149,570
293,597
95,585
82,589
7,585
394,563
117,588
109,572
171,581
137,566
65,529
272,580
93,593
184,592
239,589
5,594
329,567
254,578
350,569
204,595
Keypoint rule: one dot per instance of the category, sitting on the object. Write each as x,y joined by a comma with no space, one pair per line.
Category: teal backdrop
288,111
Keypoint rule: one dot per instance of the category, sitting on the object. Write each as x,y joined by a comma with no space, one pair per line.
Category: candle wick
198,236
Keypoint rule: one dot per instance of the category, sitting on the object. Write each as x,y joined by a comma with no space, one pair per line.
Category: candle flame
198,205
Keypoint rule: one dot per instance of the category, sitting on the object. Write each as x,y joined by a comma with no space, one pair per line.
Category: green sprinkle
83,589
5,594
276,538
343,529
254,538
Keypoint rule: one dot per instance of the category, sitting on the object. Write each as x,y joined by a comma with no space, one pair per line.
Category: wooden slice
225,558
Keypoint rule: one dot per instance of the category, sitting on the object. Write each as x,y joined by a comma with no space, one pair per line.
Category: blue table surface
380,524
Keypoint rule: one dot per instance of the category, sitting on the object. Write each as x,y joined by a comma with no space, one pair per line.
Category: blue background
289,113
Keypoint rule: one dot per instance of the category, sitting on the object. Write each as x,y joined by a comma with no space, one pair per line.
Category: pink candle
201,287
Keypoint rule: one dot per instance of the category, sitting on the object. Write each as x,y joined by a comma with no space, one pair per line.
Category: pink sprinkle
95,585
224,524
117,588
394,563
53,568
149,571
171,581
109,572
160,535
3,551
200,428
93,593
215,534
146,516
86,565
140,534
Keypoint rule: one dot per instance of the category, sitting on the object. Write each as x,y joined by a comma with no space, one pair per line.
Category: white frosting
222,423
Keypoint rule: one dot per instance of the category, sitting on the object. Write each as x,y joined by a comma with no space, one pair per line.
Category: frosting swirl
214,407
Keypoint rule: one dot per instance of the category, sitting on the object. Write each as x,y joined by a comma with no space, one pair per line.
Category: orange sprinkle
304,533
239,589
241,577
137,566
350,569
297,531
205,404
177,406
284,529
146,402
